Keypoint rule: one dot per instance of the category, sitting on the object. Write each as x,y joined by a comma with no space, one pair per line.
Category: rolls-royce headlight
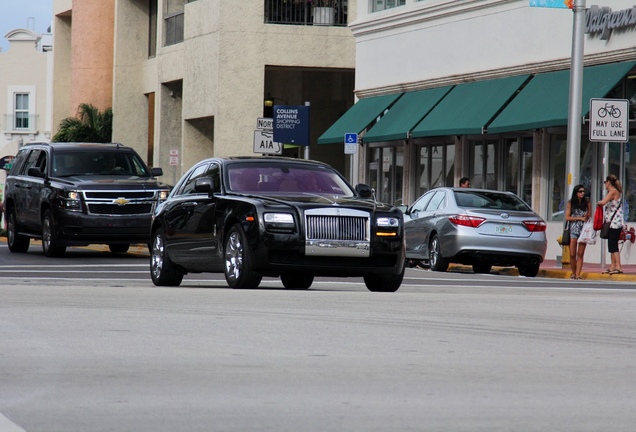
387,226
279,222
388,222
284,218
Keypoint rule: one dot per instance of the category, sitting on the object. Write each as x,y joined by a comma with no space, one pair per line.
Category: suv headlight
71,200
163,195
279,222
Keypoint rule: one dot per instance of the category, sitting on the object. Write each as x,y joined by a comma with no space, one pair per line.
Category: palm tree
90,125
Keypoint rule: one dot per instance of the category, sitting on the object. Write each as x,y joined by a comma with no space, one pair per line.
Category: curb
551,273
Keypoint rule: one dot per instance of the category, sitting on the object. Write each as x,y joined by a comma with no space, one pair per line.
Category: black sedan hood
310,200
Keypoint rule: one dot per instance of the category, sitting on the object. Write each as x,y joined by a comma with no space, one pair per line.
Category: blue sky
36,15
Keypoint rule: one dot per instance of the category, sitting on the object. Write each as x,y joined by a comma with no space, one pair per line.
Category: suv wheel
17,242
50,243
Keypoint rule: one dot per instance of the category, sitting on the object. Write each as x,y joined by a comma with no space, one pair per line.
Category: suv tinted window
18,162
75,163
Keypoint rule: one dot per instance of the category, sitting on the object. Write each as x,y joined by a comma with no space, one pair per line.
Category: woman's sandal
608,271
616,271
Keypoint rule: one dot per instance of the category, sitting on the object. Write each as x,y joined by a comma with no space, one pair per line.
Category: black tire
482,268
119,248
50,242
530,270
436,261
238,261
296,281
391,283
17,242
162,271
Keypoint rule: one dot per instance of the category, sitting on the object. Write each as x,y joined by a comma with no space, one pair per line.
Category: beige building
188,79
25,91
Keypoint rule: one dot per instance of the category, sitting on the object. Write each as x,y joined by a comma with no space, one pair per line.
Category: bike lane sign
609,120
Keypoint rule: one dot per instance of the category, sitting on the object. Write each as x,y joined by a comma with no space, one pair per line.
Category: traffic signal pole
576,89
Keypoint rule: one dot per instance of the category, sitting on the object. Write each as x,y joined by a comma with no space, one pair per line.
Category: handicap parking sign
351,143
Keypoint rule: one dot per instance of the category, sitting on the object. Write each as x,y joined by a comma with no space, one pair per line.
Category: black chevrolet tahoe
76,194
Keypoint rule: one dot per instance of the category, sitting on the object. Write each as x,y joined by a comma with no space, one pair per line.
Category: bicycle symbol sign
609,120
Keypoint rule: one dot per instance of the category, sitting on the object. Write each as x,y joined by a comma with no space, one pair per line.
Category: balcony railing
13,124
306,12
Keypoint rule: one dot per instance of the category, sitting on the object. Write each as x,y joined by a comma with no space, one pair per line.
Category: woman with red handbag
613,215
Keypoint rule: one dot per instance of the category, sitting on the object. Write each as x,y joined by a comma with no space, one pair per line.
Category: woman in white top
612,204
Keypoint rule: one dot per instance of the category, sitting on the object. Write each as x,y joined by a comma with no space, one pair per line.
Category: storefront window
435,166
518,167
557,190
386,171
483,169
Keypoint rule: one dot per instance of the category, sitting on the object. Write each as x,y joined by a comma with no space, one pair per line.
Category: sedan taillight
465,220
535,226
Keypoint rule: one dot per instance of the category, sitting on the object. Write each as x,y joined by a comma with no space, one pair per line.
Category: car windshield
490,200
285,178
111,163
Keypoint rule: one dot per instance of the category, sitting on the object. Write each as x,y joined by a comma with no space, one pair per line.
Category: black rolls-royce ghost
251,217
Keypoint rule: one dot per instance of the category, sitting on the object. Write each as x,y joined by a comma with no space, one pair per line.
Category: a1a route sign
609,120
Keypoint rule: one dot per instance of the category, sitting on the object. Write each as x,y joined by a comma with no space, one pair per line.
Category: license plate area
503,229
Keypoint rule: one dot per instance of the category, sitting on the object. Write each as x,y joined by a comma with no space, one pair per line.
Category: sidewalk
552,269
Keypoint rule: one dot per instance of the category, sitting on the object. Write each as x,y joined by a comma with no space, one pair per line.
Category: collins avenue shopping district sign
290,125
609,120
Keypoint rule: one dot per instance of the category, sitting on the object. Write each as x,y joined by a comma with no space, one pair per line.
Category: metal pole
576,90
605,174
307,104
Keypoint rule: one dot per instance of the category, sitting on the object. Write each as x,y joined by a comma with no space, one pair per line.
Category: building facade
25,92
480,88
190,79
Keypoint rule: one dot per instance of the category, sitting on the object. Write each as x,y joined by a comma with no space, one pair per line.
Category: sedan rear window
490,200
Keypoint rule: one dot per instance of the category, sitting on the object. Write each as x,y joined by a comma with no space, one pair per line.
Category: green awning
469,107
544,101
405,114
357,118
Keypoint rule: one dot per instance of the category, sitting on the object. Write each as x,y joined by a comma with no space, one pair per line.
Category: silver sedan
477,227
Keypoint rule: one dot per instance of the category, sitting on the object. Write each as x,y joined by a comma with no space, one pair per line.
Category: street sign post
351,143
264,142
609,120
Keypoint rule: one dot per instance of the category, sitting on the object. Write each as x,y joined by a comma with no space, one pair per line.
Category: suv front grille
128,209
90,195
120,203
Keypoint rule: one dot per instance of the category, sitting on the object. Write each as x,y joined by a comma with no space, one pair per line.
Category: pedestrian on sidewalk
577,211
613,213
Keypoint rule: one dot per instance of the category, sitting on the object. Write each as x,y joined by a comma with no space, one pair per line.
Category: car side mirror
156,172
204,185
364,191
35,172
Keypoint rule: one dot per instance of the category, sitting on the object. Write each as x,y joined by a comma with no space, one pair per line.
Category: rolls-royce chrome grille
336,228
337,232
